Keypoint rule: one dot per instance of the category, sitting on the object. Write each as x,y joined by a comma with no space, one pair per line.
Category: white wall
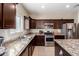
20,11
76,16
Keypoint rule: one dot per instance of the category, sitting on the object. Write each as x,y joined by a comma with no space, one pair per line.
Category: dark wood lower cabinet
59,36
40,40
25,52
28,51
30,48
32,23
59,51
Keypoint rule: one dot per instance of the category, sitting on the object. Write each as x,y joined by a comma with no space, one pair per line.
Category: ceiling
50,10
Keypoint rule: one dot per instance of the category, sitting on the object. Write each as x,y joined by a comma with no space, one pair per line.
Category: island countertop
70,45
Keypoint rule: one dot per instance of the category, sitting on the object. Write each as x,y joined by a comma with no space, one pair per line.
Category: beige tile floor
43,51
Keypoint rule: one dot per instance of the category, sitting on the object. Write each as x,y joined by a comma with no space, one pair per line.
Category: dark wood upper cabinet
32,24
0,15
40,24
68,21
26,22
7,15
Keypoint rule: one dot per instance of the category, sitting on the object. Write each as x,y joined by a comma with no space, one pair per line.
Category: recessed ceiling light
43,6
67,6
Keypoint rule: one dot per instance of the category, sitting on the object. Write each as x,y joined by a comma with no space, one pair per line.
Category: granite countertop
15,48
70,45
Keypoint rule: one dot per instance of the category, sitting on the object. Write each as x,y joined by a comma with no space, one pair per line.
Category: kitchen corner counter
70,45
16,48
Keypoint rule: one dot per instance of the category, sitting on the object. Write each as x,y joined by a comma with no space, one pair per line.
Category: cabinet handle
60,53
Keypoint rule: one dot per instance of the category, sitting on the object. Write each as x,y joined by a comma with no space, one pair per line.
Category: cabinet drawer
59,37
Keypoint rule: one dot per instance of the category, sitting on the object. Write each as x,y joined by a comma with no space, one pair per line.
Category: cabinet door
33,45
25,52
37,41
34,41
40,41
29,49
9,15
59,51
59,24
68,21
32,24
0,15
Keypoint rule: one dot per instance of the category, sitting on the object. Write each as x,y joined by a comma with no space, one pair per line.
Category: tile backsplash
45,30
8,35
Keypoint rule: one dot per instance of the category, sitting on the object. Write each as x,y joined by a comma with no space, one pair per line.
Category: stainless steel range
49,39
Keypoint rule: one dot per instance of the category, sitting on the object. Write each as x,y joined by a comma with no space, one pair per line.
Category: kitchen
27,29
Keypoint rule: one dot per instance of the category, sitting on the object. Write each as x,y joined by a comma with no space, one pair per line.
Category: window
19,25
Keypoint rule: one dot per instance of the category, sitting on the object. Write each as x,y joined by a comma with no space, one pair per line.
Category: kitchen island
67,47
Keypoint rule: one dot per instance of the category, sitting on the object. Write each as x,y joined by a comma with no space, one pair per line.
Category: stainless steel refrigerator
70,30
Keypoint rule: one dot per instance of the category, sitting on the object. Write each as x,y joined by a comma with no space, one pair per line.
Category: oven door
49,39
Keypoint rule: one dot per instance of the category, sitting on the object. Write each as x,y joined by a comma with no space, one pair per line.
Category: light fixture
67,6
42,6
